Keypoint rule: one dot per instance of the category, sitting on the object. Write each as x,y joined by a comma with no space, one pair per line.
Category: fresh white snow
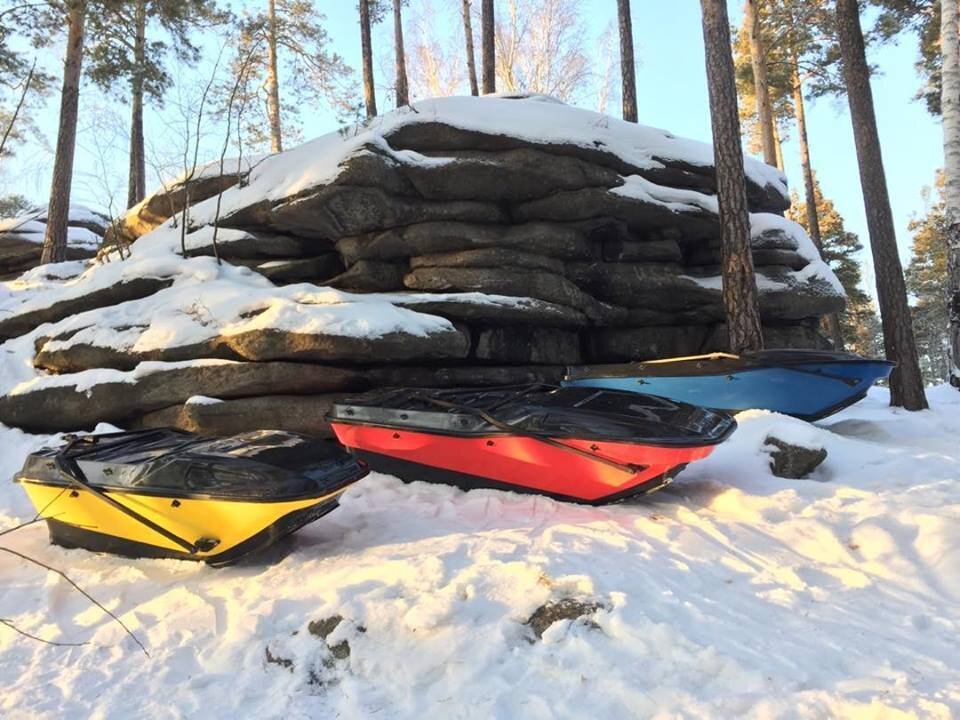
730,594
319,161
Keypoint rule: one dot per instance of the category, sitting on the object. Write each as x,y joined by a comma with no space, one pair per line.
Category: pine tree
921,17
487,51
14,205
468,36
840,249
627,62
130,42
739,282
287,62
906,383
927,277
58,210
403,94
366,53
272,29
758,59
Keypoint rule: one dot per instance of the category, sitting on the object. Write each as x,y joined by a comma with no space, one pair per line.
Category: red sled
576,444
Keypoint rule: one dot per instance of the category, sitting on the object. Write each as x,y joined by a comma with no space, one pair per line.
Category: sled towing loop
71,468
630,469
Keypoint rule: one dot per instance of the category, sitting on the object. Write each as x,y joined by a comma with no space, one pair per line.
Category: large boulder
553,240
304,414
201,183
21,238
456,242
530,283
82,400
24,319
528,346
261,345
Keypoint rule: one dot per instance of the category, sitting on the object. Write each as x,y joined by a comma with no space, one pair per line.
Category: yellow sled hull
226,529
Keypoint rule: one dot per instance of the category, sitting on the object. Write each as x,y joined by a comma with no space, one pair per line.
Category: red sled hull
586,471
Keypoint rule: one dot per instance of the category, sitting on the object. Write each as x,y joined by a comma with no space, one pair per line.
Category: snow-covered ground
730,594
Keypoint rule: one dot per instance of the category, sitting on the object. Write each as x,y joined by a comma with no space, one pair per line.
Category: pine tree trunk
906,384
366,50
58,212
778,146
403,94
488,57
831,322
471,62
760,83
136,179
627,63
273,80
739,283
950,105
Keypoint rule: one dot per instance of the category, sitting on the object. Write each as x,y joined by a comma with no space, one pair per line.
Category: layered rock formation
21,238
461,241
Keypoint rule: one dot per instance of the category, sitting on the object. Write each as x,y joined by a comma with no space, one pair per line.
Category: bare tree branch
16,112
79,589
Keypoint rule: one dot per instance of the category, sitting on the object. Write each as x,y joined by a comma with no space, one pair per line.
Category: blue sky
672,93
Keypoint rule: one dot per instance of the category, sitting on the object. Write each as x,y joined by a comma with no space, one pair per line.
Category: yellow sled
165,493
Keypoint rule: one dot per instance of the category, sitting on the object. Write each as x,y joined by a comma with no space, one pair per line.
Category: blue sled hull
807,385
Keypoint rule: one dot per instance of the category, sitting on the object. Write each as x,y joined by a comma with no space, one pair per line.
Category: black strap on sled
69,466
546,440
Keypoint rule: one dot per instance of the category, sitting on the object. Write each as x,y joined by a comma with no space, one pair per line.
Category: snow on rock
526,119
730,594
21,238
494,238
203,181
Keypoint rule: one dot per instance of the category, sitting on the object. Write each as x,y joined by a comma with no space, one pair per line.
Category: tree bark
778,148
831,322
137,179
627,64
403,93
739,283
366,50
273,80
488,58
471,62
58,211
950,107
906,384
761,85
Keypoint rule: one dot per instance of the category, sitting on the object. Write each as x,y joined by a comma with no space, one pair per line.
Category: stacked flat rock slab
21,238
537,249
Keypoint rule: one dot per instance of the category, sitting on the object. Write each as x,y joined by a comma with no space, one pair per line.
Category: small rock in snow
793,461
555,611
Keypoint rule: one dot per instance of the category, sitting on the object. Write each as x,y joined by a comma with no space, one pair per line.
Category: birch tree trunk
831,322
471,62
273,80
906,384
487,52
760,83
403,94
136,178
58,212
366,50
627,63
950,106
739,283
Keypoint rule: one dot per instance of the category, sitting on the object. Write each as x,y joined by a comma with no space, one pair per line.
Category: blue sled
808,384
